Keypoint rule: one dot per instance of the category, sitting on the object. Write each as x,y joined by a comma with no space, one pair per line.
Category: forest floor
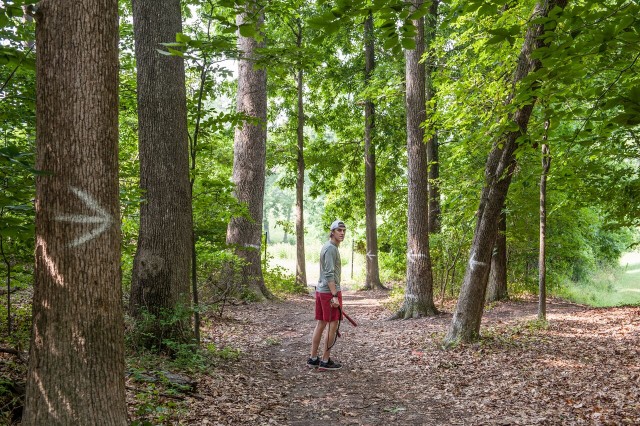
583,368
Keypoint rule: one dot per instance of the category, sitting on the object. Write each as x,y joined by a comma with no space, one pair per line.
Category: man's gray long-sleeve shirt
330,267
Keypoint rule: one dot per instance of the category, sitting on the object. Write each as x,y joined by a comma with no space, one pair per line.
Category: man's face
338,234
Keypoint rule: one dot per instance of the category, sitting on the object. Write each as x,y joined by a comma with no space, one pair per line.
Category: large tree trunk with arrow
76,360
160,282
373,270
465,326
418,299
249,158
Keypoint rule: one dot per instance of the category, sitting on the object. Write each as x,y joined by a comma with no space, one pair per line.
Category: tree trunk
465,325
542,268
418,299
433,174
7,263
76,360
193,152
161,268
249,157
497,287
373,270
301,271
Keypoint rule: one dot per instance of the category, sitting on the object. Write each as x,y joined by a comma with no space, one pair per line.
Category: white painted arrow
102,218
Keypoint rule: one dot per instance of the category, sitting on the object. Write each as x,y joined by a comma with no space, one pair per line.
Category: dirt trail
583,369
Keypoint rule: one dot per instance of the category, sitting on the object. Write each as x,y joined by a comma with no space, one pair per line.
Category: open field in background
608,288
628,285
284,255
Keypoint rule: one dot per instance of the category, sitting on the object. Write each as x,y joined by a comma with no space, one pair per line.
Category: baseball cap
337,224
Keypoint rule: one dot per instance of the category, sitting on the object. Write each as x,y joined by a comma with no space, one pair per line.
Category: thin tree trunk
373,270
301,271
162,264
287,216
76,359
433,174
542,269
418,299
8,265
465,325
249,158
497,287
193,151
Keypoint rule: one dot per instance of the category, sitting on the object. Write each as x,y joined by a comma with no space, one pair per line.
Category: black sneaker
329,365
313,364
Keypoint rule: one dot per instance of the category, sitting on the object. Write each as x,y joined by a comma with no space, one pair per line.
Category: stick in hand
353,323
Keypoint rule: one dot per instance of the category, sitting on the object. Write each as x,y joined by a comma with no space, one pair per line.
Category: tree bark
542,267
76,361
160,281
301,270
465,325
497,287
433,174
249,158
373,270
7,263
193,153
418,300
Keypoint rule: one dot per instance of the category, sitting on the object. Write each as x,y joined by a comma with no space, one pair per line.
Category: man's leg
333,326
317,336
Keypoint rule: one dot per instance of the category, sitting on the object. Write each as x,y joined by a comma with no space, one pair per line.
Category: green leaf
408,43
420,12
630,37
182,38
14,11
390,42
496,39
4,19
247,30
488,9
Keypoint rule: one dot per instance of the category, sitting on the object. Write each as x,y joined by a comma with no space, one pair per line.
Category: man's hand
335,302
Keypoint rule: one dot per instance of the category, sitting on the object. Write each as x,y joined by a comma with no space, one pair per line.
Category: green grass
284,256
610,288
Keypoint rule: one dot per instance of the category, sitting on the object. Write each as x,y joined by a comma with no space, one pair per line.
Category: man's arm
334,293
330,260
332,287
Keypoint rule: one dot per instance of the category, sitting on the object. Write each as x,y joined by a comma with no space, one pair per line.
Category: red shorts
324,310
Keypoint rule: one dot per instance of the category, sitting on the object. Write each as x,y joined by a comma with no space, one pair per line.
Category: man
328,299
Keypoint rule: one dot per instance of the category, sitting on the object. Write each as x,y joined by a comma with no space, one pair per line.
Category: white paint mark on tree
101,218
473,263
254,246
412,256
371,255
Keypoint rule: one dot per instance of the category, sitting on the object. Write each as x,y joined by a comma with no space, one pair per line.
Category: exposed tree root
413,311
18,354
377,286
